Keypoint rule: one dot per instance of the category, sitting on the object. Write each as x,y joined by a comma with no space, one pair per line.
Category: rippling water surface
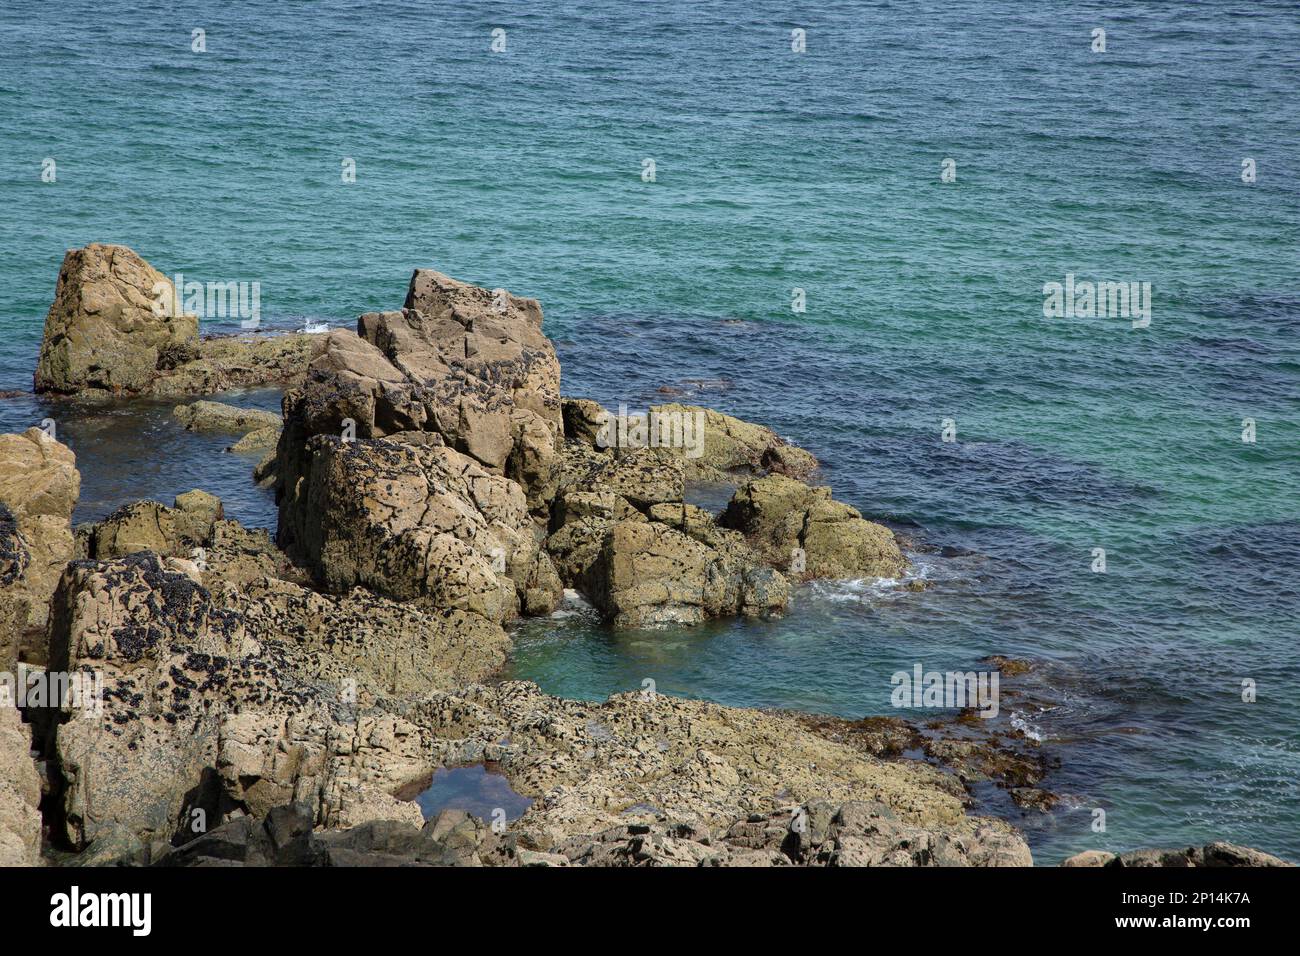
778,170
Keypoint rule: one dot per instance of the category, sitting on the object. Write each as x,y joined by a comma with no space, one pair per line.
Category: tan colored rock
39,485
732,446
647,573
20,792
271,686
411,522
225,362
110,321
205,416
662,768
779,515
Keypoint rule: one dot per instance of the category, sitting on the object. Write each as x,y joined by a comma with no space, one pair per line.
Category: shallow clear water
774,171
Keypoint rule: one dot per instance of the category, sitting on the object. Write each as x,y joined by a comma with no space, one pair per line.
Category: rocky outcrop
731,447
114,328
467,364
722,780
110,322
1216,854
229,697
39,485
648,573
782,517
20,792
414,522
234,699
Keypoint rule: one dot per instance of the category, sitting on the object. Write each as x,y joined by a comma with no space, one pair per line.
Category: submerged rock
39,485
208,416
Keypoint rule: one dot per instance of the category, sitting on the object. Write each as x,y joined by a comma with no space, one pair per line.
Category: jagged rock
648,573
286,838
779,515
465,363
241,698
411,522
732,446
106,328
207,416
151,526
39,485
20,792
583,420
1212,854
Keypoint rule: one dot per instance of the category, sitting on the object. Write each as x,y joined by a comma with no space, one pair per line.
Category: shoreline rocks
1217,854
111,330
39,486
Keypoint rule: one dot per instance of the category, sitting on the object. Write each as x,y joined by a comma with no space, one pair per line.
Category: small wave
1030,730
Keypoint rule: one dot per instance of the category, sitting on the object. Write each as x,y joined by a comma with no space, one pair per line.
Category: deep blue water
777,170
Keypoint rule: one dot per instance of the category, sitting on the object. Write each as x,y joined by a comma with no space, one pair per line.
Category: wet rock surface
1218,854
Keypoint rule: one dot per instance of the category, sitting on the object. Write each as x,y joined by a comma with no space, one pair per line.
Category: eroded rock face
104,330
20,792
414,522
467,364
241,697
39,485
649,573
779,516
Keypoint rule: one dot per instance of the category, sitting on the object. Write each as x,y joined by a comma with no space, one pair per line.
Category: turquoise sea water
777,170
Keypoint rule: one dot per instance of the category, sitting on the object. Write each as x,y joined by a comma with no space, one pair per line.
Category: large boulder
648,573
110,321
39,485
782,517
20,792
412,521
